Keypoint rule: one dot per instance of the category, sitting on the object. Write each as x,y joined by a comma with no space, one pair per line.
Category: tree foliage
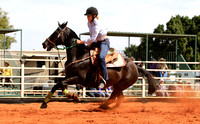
4,24
176,25
130,51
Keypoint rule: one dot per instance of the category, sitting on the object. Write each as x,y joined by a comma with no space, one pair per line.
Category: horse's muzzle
46,45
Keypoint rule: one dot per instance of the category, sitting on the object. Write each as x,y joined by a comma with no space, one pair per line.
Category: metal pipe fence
26,89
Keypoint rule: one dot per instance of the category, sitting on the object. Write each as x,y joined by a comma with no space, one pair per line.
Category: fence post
143,84
84,92
177,68
143,87
22,78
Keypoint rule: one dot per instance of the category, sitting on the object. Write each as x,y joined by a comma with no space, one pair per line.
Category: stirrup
102,83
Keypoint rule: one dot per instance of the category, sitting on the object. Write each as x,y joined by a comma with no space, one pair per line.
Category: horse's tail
153,83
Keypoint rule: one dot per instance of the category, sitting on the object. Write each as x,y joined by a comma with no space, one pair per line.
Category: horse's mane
81,48
73,33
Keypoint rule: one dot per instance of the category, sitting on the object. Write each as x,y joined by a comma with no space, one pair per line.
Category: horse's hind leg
116,95
110,100
120,99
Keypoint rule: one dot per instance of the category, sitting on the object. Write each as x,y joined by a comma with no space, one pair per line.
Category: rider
97,35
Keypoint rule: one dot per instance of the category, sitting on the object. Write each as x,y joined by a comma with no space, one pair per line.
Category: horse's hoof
69,95
116,106
103,106
44,105
75,98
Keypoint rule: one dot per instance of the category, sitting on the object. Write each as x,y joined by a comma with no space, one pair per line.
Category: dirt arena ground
182,111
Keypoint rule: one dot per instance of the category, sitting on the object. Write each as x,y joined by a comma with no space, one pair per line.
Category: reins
64,47
76,61
59,35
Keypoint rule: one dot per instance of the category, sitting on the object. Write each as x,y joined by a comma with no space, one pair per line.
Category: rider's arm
79,41
94,31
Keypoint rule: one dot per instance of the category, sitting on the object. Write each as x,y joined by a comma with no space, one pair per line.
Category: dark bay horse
79,69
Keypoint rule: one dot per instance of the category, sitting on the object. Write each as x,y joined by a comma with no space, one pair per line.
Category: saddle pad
119,63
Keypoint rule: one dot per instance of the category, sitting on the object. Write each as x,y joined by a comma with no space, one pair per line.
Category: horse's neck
76,52
82,52
72,34
70,55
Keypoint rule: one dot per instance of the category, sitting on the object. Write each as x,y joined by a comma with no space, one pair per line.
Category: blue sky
38,19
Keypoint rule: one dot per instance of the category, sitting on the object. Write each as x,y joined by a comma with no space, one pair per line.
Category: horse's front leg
61,84
71,80
69,95
50,94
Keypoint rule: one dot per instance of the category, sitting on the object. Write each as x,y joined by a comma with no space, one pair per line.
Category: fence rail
138,90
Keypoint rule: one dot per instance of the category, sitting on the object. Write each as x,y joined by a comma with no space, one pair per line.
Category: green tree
4,24
176,25
180,25
131,51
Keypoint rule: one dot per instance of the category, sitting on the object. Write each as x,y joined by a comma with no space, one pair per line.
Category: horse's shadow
92,110
98,109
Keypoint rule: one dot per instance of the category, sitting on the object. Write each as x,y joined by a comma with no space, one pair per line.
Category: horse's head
56,38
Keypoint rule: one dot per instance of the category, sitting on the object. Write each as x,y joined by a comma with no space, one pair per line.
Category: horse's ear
66,23
59,24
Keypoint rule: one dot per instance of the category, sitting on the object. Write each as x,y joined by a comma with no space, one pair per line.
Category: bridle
59,35
62,38
73,45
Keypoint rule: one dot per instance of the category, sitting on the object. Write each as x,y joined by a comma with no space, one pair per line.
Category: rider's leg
104,46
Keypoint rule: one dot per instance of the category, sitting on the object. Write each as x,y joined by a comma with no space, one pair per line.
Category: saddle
113,59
